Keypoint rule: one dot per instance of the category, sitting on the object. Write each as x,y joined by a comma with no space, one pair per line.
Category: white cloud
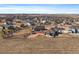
37,10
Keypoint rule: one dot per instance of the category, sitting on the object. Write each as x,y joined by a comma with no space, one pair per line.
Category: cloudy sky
39,8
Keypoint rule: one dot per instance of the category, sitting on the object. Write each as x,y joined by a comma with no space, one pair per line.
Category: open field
40,44
28,40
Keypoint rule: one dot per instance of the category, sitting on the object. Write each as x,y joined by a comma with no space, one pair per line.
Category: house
74,29
38,29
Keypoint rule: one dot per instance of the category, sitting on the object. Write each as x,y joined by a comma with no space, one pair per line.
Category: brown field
40,44
19,43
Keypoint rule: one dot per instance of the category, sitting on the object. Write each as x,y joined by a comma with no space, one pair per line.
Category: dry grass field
65,43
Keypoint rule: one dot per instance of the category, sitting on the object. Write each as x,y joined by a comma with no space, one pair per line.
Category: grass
41,44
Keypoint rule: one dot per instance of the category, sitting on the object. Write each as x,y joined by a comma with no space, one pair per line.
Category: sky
39,8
